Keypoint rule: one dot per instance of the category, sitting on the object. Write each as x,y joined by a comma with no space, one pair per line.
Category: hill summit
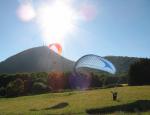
39,59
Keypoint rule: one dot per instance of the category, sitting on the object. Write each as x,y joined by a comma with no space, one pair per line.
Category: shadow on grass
58,106
137,106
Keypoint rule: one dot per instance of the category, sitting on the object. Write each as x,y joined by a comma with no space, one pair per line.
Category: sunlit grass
79,101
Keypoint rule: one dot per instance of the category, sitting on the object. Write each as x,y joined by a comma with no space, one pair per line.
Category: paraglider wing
57,46
95,62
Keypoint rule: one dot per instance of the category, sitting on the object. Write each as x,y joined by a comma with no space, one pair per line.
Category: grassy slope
79,101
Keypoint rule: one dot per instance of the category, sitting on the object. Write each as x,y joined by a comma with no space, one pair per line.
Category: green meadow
131,100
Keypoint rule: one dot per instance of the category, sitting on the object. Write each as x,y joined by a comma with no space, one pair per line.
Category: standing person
114,95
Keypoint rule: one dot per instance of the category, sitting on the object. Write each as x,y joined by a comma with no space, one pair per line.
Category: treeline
12,85
139,72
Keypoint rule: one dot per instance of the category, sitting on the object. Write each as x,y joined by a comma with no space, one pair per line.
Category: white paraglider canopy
95,62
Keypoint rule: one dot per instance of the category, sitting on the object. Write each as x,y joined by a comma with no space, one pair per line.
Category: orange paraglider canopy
57,46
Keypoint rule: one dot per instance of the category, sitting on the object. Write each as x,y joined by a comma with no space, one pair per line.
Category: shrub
111,81
15,88
97,81
39,87
2,91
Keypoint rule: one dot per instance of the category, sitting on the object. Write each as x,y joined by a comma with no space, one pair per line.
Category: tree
139,73
96,81
39,87
15,88
2,91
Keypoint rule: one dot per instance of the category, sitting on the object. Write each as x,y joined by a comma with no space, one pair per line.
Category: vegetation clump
139,73
15,88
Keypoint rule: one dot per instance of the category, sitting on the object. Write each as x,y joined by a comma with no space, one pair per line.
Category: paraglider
95,62
56,46
55,63
82,77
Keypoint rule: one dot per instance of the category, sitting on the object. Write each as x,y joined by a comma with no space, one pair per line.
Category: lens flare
88,12
56,81
26,12
80,81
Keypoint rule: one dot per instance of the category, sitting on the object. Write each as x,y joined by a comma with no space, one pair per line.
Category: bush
139,73
2,91
39,87
111,81
15,88
96,81
6,78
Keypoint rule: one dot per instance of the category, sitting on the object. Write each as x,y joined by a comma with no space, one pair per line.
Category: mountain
39,59
122,64
42,59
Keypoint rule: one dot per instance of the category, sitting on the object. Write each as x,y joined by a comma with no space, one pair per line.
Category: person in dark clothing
114,95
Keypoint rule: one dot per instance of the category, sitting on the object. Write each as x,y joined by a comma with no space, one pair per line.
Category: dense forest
33,83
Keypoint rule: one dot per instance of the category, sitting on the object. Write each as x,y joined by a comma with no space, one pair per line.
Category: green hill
122,64
39,59
131,100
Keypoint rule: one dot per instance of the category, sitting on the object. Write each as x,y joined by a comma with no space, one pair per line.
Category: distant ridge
121,63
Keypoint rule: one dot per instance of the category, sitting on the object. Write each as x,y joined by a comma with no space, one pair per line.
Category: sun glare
26,12
56,20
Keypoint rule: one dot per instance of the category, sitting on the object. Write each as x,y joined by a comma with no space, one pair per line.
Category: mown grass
77,102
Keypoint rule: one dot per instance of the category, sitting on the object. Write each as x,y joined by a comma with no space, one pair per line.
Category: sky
101,27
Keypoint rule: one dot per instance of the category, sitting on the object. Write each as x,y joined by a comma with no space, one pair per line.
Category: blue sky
120,28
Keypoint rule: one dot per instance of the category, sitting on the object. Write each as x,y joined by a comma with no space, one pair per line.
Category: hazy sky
117,27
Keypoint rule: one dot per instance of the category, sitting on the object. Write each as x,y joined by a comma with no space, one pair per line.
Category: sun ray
56,20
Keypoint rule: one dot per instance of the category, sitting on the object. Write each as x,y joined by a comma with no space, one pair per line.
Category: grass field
131,101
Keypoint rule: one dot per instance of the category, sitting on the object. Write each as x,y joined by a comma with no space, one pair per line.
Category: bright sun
56,20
